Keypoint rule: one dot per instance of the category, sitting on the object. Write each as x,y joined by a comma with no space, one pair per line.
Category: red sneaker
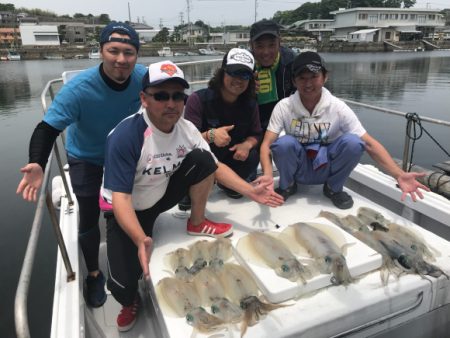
209,228
127,316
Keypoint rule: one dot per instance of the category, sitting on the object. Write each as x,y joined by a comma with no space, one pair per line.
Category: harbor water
409,82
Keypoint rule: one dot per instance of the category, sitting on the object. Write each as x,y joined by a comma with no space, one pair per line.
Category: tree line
36,12
322,9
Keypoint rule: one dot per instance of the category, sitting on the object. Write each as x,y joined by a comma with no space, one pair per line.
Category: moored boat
13,56
165,51
94,53
360,309
210,50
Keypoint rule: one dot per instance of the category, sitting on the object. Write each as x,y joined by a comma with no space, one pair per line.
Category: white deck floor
324,313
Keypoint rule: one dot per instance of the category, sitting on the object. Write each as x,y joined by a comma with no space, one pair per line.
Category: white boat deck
330,311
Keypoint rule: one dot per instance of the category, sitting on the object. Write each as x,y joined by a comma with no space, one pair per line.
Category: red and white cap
161,72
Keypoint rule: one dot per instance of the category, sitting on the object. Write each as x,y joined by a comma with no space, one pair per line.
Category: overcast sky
153,12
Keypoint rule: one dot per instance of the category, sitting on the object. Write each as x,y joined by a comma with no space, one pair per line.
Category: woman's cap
238,59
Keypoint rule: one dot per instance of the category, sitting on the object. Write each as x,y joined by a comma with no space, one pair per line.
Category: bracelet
207,136
211,135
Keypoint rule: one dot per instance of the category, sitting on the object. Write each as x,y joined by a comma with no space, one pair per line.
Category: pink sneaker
127,316
209,228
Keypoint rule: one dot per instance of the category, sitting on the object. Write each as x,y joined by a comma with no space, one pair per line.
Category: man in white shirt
324,139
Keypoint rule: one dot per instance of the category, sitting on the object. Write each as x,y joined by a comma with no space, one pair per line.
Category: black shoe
285,193
185,203
340,199
94,290
229,192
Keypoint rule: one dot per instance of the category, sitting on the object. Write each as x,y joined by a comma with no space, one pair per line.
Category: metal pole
406,147
60,239
63,175
23,286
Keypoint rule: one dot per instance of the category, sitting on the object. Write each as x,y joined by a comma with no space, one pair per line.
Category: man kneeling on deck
154,158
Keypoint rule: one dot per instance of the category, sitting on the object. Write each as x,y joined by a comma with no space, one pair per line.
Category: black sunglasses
244,75
165,96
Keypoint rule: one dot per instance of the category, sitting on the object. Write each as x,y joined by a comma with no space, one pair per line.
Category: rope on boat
414,131
438,185
417,131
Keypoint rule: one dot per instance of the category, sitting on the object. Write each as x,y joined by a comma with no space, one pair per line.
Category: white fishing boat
210,50
306,48
410,306
94,53
53,57
165,51
13,56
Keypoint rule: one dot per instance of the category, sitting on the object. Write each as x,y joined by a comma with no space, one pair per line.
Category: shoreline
146,50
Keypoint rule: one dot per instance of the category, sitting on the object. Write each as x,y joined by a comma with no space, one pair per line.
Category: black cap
122,28
310,61
264,27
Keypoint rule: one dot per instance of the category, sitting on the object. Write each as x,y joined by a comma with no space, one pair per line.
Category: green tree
7,7
162,36
327,6
409,3
104,19
322,9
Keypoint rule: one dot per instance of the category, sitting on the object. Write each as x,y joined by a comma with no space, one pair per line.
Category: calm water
409,82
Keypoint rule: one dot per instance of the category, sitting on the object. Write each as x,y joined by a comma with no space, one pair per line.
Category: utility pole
129,13
189,21
256,6
181,18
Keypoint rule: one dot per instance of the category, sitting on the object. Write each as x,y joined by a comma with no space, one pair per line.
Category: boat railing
20,306
21,299
44,199
409,126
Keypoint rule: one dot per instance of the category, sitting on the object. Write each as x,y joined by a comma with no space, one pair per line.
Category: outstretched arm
31,181
264,154
126,217
407,181
41,144
260,190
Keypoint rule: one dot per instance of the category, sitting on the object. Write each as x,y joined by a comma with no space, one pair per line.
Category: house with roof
192,33
321,29
7,17
239,37
385,24
10,37
39,35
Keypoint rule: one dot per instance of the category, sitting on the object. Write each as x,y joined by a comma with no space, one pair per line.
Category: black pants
86,179
124,267
243,169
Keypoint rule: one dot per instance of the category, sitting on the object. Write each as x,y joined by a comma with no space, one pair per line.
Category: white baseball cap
238,59
161,72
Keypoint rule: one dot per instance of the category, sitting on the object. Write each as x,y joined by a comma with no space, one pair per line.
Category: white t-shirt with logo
330,119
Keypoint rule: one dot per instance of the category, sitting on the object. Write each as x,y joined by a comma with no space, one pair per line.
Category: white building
192,32
394,24
319,28
364,35
238,37
39,35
